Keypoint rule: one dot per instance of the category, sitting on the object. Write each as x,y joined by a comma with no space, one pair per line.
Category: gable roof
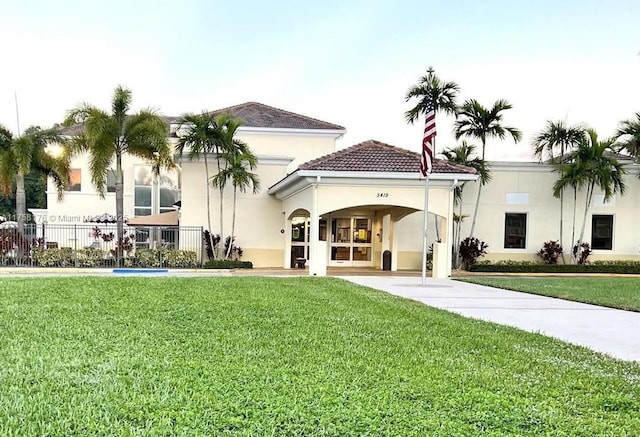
257,114
253,114
375,156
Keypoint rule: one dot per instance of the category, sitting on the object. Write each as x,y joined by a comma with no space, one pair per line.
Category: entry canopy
163,219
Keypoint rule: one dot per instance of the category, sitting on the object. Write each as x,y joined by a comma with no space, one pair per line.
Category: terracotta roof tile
374,156
260,115
253,114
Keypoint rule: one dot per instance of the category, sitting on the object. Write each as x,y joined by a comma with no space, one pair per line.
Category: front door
351,244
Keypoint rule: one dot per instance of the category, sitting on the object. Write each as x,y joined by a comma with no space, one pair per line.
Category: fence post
75,245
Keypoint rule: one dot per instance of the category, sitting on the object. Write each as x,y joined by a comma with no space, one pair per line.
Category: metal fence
96,245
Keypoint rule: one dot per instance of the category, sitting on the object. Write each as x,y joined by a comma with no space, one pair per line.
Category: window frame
594,227
507,236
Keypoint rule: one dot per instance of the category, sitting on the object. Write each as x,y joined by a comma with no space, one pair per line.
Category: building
347,207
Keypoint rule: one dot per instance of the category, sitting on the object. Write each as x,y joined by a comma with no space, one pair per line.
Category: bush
146,258
62,257
180,259
621,267
89,257
227,264
471,249
582,254
550,252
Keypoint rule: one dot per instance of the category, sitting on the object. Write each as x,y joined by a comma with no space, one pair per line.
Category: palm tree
553,143
463,155
239,162
201,138
476,121
108,136
629,136
20,155
432,94
590,166
208,134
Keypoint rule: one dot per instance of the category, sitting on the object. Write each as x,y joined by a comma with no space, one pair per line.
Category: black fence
96,245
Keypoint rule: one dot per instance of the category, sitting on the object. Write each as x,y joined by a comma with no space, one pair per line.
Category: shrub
550,252
89,257
180,259
211,242
631,267
471,249
227,264
146,258
62,257
581,253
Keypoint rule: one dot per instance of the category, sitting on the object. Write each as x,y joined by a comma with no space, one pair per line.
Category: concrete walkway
610,331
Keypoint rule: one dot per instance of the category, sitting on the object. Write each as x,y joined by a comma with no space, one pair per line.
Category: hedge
227,264
89,257
628,267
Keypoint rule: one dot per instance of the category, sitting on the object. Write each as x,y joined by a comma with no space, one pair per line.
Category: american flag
427,143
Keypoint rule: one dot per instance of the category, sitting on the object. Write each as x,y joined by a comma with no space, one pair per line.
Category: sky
346,62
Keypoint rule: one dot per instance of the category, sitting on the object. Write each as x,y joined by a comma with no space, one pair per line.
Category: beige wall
543,213
301,147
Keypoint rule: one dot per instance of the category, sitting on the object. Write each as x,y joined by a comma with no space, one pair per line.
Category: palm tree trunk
221,192
573,225
436,220
233,220
586,210
475,210
562,223
206,172
20,211
119,210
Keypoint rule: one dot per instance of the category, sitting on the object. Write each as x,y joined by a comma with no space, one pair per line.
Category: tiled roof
259,115
374,156
254,115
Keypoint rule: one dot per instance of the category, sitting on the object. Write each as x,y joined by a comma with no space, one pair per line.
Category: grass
286,356
622,293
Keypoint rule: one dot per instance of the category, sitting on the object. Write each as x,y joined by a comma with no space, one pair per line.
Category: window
602,232
142,190
111,181
515,230
75,180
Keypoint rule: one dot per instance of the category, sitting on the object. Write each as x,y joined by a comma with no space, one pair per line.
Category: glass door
350,243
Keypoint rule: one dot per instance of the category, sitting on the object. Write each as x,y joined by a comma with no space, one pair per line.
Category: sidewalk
610,331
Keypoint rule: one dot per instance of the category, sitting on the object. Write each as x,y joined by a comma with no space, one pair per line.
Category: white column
318,261
394,247
286,258
449,237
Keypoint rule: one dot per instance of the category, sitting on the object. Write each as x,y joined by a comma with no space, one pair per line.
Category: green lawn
286,356
623,293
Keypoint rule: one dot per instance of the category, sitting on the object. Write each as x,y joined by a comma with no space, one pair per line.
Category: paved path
613,332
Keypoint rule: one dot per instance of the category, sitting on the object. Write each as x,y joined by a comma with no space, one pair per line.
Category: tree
464,155
238,161
553,143
109,136
432,94
476,121
21,155
201,138
238,172
628,135
591,165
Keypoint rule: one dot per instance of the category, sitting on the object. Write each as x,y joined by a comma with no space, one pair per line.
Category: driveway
610,331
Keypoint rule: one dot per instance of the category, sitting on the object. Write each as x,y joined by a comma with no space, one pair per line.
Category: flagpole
424,237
